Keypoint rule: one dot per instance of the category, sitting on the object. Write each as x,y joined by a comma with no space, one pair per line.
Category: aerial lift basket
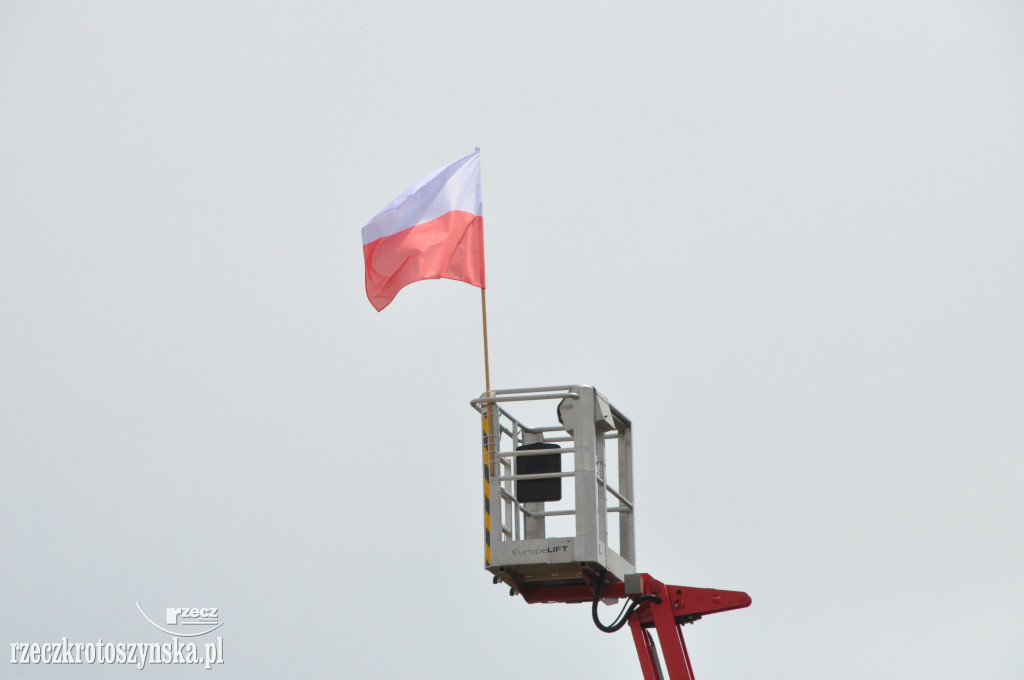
559,518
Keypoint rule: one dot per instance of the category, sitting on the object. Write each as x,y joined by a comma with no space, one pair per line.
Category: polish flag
433,230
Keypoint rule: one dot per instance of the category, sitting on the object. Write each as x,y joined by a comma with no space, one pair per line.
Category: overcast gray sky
784,238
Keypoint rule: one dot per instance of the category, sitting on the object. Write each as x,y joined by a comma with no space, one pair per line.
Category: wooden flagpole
487,365
489,440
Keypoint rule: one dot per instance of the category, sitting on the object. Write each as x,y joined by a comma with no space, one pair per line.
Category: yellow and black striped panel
487,495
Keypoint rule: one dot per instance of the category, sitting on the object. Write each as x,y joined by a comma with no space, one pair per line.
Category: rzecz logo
207,617
194,616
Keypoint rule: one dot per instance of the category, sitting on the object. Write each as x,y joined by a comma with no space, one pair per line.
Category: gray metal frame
519,546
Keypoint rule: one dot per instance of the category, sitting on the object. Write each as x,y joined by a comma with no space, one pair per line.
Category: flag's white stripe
453,187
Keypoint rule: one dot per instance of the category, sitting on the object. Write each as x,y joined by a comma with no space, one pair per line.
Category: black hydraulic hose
628,609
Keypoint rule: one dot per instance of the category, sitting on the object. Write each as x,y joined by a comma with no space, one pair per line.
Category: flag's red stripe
448,247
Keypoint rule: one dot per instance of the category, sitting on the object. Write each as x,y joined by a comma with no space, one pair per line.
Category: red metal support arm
674,607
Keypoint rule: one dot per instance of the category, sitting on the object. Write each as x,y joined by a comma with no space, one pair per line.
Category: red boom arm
674,607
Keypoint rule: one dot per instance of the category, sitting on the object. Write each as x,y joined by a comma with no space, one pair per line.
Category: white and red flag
433,230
